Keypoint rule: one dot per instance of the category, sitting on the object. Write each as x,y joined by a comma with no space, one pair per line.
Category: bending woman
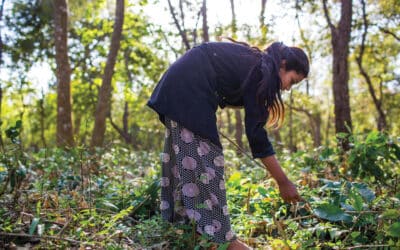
186,98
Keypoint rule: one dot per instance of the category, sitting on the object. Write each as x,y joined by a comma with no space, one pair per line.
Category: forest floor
56,199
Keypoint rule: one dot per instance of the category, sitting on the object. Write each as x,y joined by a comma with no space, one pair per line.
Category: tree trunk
42,116
239,130
292,146
340,38
381,121
229,121
263,27
206,37
64,121
77,125
238,114
104,101
1,61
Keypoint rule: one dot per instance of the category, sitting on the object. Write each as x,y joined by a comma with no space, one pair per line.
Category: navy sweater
207,76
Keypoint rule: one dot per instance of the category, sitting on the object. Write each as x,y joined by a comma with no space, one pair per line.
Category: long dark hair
269,87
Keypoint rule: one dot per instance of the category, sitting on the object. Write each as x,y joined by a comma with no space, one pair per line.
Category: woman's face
289,78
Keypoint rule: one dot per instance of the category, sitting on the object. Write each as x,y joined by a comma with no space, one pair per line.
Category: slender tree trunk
229,121
340,38
292,147
238,114
1,62
239,130
317,130
64,121
206,37
381,121
104,101
263,27
42,116
77,125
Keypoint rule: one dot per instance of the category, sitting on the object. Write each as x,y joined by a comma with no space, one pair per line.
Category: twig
363,212
77,242
368,246
352,228
64,227
242,151
302,218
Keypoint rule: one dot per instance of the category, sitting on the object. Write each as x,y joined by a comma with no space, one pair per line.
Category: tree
206,37
340,38
381,123
180,18
103,104
1,60
238,115
63,73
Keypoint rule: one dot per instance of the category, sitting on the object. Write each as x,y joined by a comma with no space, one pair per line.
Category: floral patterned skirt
192,183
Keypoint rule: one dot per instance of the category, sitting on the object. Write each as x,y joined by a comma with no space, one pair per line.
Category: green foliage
14,131
112,202
373,156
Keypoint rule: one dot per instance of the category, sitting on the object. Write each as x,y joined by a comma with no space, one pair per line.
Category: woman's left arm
287,189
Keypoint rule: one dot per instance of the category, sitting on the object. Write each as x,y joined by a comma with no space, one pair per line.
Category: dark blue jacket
211,75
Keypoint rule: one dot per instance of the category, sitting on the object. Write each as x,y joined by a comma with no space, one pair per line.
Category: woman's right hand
289,192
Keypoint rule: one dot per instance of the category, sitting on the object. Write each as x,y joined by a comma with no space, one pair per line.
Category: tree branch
386,31
182,32
364,73
328,18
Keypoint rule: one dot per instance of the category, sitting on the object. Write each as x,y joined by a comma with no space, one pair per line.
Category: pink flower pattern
164,205
193,214
229,235
203,148
189,163
214,199
222,184
190,190
203,161
209,229
219,161
217,225
186,135
211,172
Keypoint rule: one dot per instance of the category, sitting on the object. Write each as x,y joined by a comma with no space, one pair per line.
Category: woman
186,99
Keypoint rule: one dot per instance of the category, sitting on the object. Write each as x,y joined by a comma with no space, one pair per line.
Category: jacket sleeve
255,119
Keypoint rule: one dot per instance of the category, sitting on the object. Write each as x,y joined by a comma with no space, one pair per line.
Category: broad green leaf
365,192
394,230
332,213
357,200
355,234
33,225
